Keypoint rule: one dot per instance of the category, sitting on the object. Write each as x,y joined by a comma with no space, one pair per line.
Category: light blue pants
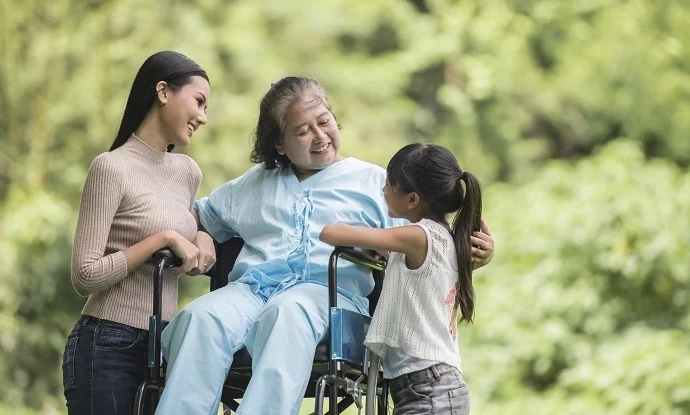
280,334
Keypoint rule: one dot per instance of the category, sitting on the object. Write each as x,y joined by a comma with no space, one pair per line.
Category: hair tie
273,84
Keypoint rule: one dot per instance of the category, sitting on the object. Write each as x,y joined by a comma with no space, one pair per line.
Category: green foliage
585,306
589,283
37,304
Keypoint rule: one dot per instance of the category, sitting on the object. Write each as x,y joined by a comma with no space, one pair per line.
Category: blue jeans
103,364
439,389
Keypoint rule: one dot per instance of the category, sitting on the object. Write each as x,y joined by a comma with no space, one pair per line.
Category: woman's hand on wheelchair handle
185,250
207,253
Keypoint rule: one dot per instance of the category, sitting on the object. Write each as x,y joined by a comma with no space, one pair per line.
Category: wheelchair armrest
352,255
359,257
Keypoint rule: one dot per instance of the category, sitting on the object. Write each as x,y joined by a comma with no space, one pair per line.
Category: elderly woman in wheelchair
277,303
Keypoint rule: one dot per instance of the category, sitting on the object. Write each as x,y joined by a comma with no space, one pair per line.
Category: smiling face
311,137
184,110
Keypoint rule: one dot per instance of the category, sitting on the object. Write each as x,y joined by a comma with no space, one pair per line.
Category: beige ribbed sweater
130,193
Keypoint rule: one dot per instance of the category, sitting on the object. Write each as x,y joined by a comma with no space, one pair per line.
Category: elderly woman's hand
482,246
207,253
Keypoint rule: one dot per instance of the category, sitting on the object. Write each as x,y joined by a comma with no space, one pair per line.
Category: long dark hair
271,124
443,187
173,68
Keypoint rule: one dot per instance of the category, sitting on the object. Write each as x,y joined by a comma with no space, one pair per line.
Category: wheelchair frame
347,367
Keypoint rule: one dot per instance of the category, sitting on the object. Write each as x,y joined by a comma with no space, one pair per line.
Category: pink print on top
451,295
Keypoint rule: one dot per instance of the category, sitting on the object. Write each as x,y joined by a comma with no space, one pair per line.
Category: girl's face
185,110
397,201
311,139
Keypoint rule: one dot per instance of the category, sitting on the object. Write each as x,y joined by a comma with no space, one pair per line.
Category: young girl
428,278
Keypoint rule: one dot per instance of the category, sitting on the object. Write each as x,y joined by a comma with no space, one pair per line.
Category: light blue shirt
280,219
397,362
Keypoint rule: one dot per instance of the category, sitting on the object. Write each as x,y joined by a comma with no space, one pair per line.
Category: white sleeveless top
415,312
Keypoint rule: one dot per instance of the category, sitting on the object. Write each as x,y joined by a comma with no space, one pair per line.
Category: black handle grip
167,254
361,258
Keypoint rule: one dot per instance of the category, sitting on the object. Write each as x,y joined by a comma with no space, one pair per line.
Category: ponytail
433,172
466,221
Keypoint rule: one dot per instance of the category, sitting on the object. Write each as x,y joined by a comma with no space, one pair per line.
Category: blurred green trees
584,309
587,312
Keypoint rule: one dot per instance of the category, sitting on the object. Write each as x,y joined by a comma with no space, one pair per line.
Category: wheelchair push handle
171,260
162,259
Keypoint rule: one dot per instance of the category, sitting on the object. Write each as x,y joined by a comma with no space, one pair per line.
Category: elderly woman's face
311,139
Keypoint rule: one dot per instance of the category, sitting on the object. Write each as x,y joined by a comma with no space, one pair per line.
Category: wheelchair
343,369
